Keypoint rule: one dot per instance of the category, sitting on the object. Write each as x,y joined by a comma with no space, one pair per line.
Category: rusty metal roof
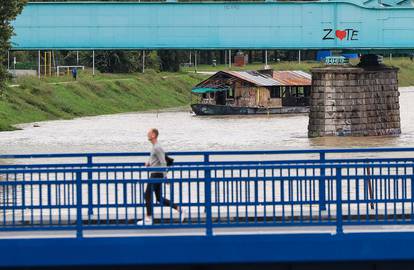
280,78
294,77
254,77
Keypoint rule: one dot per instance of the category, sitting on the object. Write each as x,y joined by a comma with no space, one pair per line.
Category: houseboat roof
293,77
262,78
254,77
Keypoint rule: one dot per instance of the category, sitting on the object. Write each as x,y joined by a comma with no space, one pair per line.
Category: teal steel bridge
355,25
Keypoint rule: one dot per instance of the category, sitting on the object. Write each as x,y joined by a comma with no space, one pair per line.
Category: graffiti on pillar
346,34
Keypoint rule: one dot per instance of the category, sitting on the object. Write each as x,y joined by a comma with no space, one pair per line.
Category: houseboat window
301,92
286,91
275,92
307,91
293,91
212,95
204,96
230,93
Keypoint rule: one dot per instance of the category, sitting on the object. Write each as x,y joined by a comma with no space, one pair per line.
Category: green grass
406,72
62,98
406,66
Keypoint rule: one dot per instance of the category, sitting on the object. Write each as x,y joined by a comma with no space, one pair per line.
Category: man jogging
156,159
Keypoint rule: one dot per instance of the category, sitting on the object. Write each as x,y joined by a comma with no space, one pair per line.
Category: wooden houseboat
253,92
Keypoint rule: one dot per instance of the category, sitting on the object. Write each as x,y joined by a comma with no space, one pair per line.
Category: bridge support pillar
354,101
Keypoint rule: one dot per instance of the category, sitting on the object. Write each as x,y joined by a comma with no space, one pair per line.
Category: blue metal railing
216,193
88,160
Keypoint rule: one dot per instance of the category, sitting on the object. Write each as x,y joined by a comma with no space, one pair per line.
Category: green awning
204,90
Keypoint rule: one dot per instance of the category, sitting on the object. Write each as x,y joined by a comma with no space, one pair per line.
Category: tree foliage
9,9
117,61
170,60
114,61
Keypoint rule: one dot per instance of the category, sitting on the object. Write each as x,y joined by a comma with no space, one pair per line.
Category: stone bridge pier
354,101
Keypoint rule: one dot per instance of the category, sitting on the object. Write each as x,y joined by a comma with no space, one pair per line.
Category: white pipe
143,61
195,61
93,62
54,60
229,58
38,61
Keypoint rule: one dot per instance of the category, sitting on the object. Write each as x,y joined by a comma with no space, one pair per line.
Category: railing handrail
212,153
207,167
372,160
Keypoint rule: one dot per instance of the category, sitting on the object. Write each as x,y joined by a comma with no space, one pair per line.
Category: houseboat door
221,98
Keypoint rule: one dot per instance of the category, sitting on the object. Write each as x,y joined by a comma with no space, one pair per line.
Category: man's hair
155,131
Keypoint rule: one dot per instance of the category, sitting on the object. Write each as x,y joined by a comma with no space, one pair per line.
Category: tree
114,61
118,61
9,9
170,60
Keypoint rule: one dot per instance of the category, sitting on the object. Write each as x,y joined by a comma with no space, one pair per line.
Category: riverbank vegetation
30,99
405,65
8,11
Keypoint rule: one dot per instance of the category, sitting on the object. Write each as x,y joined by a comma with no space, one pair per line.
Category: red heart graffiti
340,34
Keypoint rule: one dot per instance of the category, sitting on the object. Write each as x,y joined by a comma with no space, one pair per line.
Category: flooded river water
181,131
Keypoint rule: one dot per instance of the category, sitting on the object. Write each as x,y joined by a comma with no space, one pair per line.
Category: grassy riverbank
406,66
30,99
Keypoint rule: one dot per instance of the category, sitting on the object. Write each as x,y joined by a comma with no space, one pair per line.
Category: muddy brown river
182,131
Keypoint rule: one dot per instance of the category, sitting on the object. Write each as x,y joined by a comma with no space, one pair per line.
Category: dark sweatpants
157,188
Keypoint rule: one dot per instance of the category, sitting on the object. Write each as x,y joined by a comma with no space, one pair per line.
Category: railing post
90,191
207,196
411,189
79,221
339,226
322,197
368,185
